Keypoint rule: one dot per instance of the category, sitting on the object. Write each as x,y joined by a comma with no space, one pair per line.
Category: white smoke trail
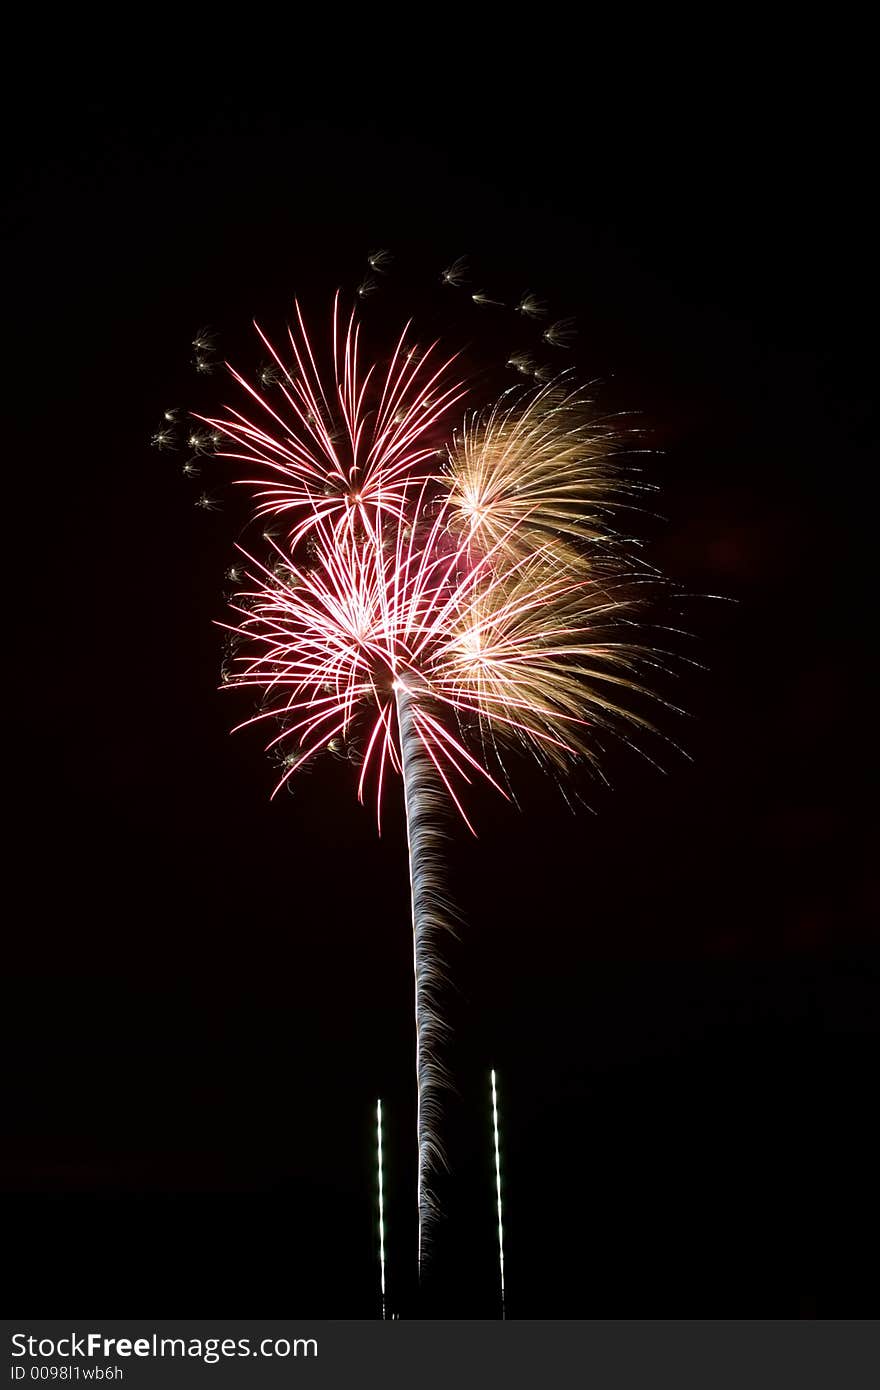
425,808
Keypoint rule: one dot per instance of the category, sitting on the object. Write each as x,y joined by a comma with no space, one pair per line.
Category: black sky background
205,991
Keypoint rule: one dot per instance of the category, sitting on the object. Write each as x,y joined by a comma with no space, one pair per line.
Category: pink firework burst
343,449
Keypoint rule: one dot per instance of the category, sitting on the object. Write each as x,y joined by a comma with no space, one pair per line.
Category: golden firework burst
540,467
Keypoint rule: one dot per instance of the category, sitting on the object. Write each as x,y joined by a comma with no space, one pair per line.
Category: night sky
678,982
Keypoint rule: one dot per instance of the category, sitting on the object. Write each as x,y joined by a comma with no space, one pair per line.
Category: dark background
205,991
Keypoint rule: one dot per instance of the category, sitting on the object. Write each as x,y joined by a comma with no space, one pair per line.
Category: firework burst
421,616
539,467
342,448
518,647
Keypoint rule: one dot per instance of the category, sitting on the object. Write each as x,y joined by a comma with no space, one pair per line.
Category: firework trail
498,1193
430,914
381,1203
437,598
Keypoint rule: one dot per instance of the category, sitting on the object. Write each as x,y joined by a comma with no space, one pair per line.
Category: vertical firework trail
498,1193
422,802
381,1204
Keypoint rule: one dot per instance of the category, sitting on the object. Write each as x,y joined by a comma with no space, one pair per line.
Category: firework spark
531,307
560,334
204,340
521,362
456,273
